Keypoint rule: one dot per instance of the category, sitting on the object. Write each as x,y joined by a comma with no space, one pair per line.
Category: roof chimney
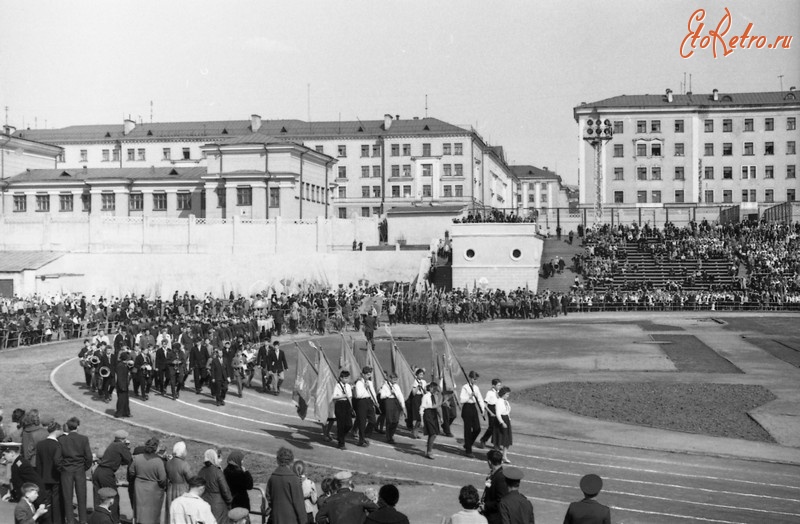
387,121
255,123
128,125
669,95
397,117
715,95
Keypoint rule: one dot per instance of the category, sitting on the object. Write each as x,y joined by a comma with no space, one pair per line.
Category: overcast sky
514,70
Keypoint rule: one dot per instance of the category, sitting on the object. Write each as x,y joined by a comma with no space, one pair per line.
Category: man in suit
47,469
122,386
198,358
262,363
588,510
74,458
276,365
161,365
496,487
175,366
219,376
345,506
25,512
84,354
515,508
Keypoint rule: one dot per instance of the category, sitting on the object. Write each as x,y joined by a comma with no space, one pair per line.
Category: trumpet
104,371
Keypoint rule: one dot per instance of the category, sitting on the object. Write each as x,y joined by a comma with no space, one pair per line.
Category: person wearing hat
392,398
219,377
25,512
285,491
175,366
239,479
388,496
190,507
178,474
364,404
21,470
117,454
105,498
122,385
471,405
345,506
47,469
588,510
515,508
239,516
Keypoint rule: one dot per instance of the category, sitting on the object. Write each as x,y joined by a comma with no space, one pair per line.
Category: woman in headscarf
178,475
239,480
150,482
217,493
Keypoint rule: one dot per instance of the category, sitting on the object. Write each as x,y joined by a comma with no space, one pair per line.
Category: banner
347,360
378,375
305,384
326,383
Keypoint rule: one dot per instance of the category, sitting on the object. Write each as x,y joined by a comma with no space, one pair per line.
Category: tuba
94,360
104,371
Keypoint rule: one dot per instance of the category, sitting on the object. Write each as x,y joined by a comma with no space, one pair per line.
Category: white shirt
365,389
491,398
188,509
427,403
470,394
502,408
342,391
419,386
391,390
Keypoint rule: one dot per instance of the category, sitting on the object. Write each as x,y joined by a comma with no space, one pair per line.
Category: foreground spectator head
236,457
469,498
151,446
179,449
73,423
30,419
389,494
16,416
197,485
285,457
327,485
239,516
591,485
513,476
494,457
30,491
299,468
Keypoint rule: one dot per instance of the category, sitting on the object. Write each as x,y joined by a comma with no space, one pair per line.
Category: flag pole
471,387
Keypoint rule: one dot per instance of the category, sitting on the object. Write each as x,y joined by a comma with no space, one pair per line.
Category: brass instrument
94,360
104,371
129,363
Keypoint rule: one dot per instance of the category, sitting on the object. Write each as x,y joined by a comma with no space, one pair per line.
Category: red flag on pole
378,375
305,384
326,383
347,360
400,366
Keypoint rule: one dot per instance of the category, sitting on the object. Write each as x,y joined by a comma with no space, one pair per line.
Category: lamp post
597,133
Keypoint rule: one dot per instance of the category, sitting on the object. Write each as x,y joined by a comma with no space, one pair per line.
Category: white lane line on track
549,484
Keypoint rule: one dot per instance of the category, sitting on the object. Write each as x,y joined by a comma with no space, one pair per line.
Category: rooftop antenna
683,85
6,115
308,99
426,106
151,111
780,77
690,82
340,122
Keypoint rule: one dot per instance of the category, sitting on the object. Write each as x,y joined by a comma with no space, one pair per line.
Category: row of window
133,155
748,195
748,125
365,211
748,149
747,172
397,150
456,170
447,191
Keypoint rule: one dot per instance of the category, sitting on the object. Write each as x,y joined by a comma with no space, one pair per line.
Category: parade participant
190,507
25,512
104,502
219,376
588,510
285,491
470,500
74,458
179,476
343,407
175,367
239,480
345,506
47,469
162,364
429,411
146,370
262,362
364,404
388,497
198,358
217,492
106,382
502,428
124,364
471,406
309,490
136,371
105,474
489,414
276,365
413,420
150,481
370,325
239,364
84,354
496,487
392,398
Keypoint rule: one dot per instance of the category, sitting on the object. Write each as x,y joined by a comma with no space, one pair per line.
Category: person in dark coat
103,514
219,377
21,471
285,491
388,496
217,493
198,358
117,454
276,364
496,487
588,510
239,480
345,506
48,470
515,508
123,386
74,458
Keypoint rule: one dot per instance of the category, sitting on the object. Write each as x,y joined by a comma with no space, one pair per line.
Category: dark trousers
87,374
393,411
344,421
199,378
175,376
138,384
472,425
219,390
490,422
365,417
73,482
53,497
123,404
161,380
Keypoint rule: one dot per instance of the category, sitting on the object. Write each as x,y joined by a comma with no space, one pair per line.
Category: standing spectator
388,496
150,482
190,507
217,492
345,506
502,429
117,454
15,433
309,490
588,510
285,491
32,434
178,475
239,480
327,490
47,469
470,500
515,508
74,458
496,487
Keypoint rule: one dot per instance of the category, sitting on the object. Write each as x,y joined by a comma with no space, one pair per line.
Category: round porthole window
469,254
516,254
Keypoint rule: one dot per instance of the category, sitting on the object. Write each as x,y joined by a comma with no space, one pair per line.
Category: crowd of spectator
495,215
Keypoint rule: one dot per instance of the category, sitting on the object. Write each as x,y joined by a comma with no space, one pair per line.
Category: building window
618,151
364,171
655,173
184,201
459,190
531,198
641,126
448,190
427,169
790,147
641,173
61,157
655,126
364,211
342,172
656,197
459,149
406,191
187,154
395,171
406,149
679,149
43,203
274,197
748,124
748,172
727,173
679,126
790,171
131,155
790,195
679,173
108,202
709,196
426,150
769,124
376,171
769,172
791,123
84,155
365,192
641,197
618,127
341,151
65,203
708,150
727,125
376,211
655,149
708,172
459,169
753,196
244,196
708,126
447,170
319,149
748,149
641,149
20,203
445,149
106,155
727,196
364,151
395,191
426,190
342,212
679,196
745,195
159,201
619,197
140,155
769,196
136,202
342,191
115,155
769,148
727,149
395,150
167,152
406,170
376,191
618,173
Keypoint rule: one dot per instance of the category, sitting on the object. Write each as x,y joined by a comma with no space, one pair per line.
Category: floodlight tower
597,133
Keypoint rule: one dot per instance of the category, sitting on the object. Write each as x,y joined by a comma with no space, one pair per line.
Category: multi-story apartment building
540,188
376,164
737,148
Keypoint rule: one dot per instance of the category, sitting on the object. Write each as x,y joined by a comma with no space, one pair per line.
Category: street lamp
597,133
